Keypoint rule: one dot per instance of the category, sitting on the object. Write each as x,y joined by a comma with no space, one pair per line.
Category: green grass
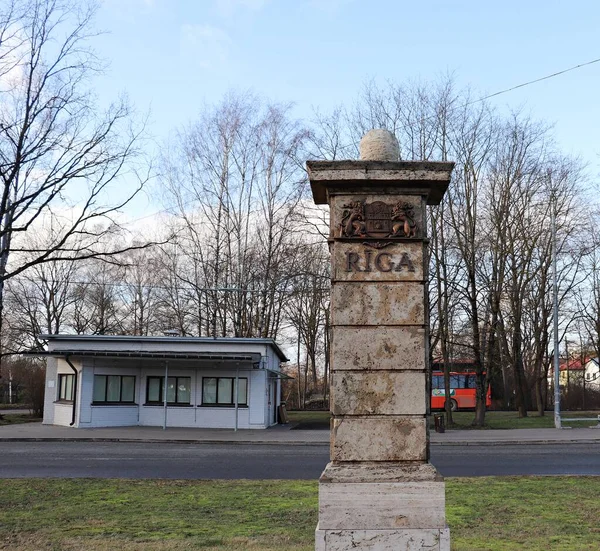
17,418
310,419
484,514
532,513
510,420
156,515
463,420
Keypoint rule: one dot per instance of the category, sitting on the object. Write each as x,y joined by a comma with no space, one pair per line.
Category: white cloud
227,8
207,45
15,47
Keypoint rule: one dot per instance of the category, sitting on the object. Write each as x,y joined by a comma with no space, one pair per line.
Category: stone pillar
379,492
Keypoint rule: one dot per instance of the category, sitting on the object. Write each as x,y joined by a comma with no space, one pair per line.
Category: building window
66,387
178,390
114,389
218,391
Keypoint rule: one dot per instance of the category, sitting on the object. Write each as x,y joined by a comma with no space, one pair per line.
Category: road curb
285,443
516,442
161,441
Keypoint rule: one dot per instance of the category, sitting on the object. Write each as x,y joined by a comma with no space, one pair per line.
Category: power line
505,91
479,100
533,81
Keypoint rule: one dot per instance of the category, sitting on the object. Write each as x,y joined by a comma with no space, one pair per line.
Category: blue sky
172,56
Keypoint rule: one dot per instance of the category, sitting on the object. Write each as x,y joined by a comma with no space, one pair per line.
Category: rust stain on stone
401,520
403,429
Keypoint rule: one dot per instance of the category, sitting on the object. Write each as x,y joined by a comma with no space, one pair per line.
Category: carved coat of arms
378,220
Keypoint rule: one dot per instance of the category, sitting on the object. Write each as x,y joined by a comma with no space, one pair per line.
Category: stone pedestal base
415,539
374,506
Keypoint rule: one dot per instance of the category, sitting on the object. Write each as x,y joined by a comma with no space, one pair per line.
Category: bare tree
307,307
175,302
60,158
472,139
40,301
588,293
98,309
235,178
140,293
490,239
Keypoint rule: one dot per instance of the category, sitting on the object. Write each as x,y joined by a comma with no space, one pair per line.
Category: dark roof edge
199,340
436,166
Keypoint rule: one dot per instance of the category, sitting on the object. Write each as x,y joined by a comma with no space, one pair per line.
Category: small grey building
109,381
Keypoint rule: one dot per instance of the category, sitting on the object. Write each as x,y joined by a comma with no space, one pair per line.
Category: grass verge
484,514
510,420
463,420
17,418
310,419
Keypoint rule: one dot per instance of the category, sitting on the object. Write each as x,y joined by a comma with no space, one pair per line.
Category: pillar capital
426,178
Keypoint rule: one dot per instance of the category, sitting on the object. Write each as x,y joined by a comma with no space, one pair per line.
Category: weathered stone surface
381,393
431,178
401,303
320,539
379,144
382,506
417,539
379,493
339,200
378,348
378,438
396,262
445,539
375,471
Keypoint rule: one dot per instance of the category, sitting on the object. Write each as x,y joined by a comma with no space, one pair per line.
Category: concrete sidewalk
503,437
283,434
280,434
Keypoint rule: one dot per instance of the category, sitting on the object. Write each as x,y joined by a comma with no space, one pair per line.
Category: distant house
592,374
107,381
571,372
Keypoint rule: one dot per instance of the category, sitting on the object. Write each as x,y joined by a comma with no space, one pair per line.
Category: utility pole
557,422
568,390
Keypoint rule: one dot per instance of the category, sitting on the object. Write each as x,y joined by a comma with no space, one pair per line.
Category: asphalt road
509,460
231,461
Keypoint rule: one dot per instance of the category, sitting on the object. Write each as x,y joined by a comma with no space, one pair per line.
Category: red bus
462,391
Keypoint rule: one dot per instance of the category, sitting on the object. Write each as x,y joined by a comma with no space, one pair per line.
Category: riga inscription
361,261
378,261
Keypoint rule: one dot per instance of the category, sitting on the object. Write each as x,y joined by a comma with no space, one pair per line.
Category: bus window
437,381
460,381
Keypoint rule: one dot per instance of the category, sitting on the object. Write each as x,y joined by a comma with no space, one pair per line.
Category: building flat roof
158,355
164,340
